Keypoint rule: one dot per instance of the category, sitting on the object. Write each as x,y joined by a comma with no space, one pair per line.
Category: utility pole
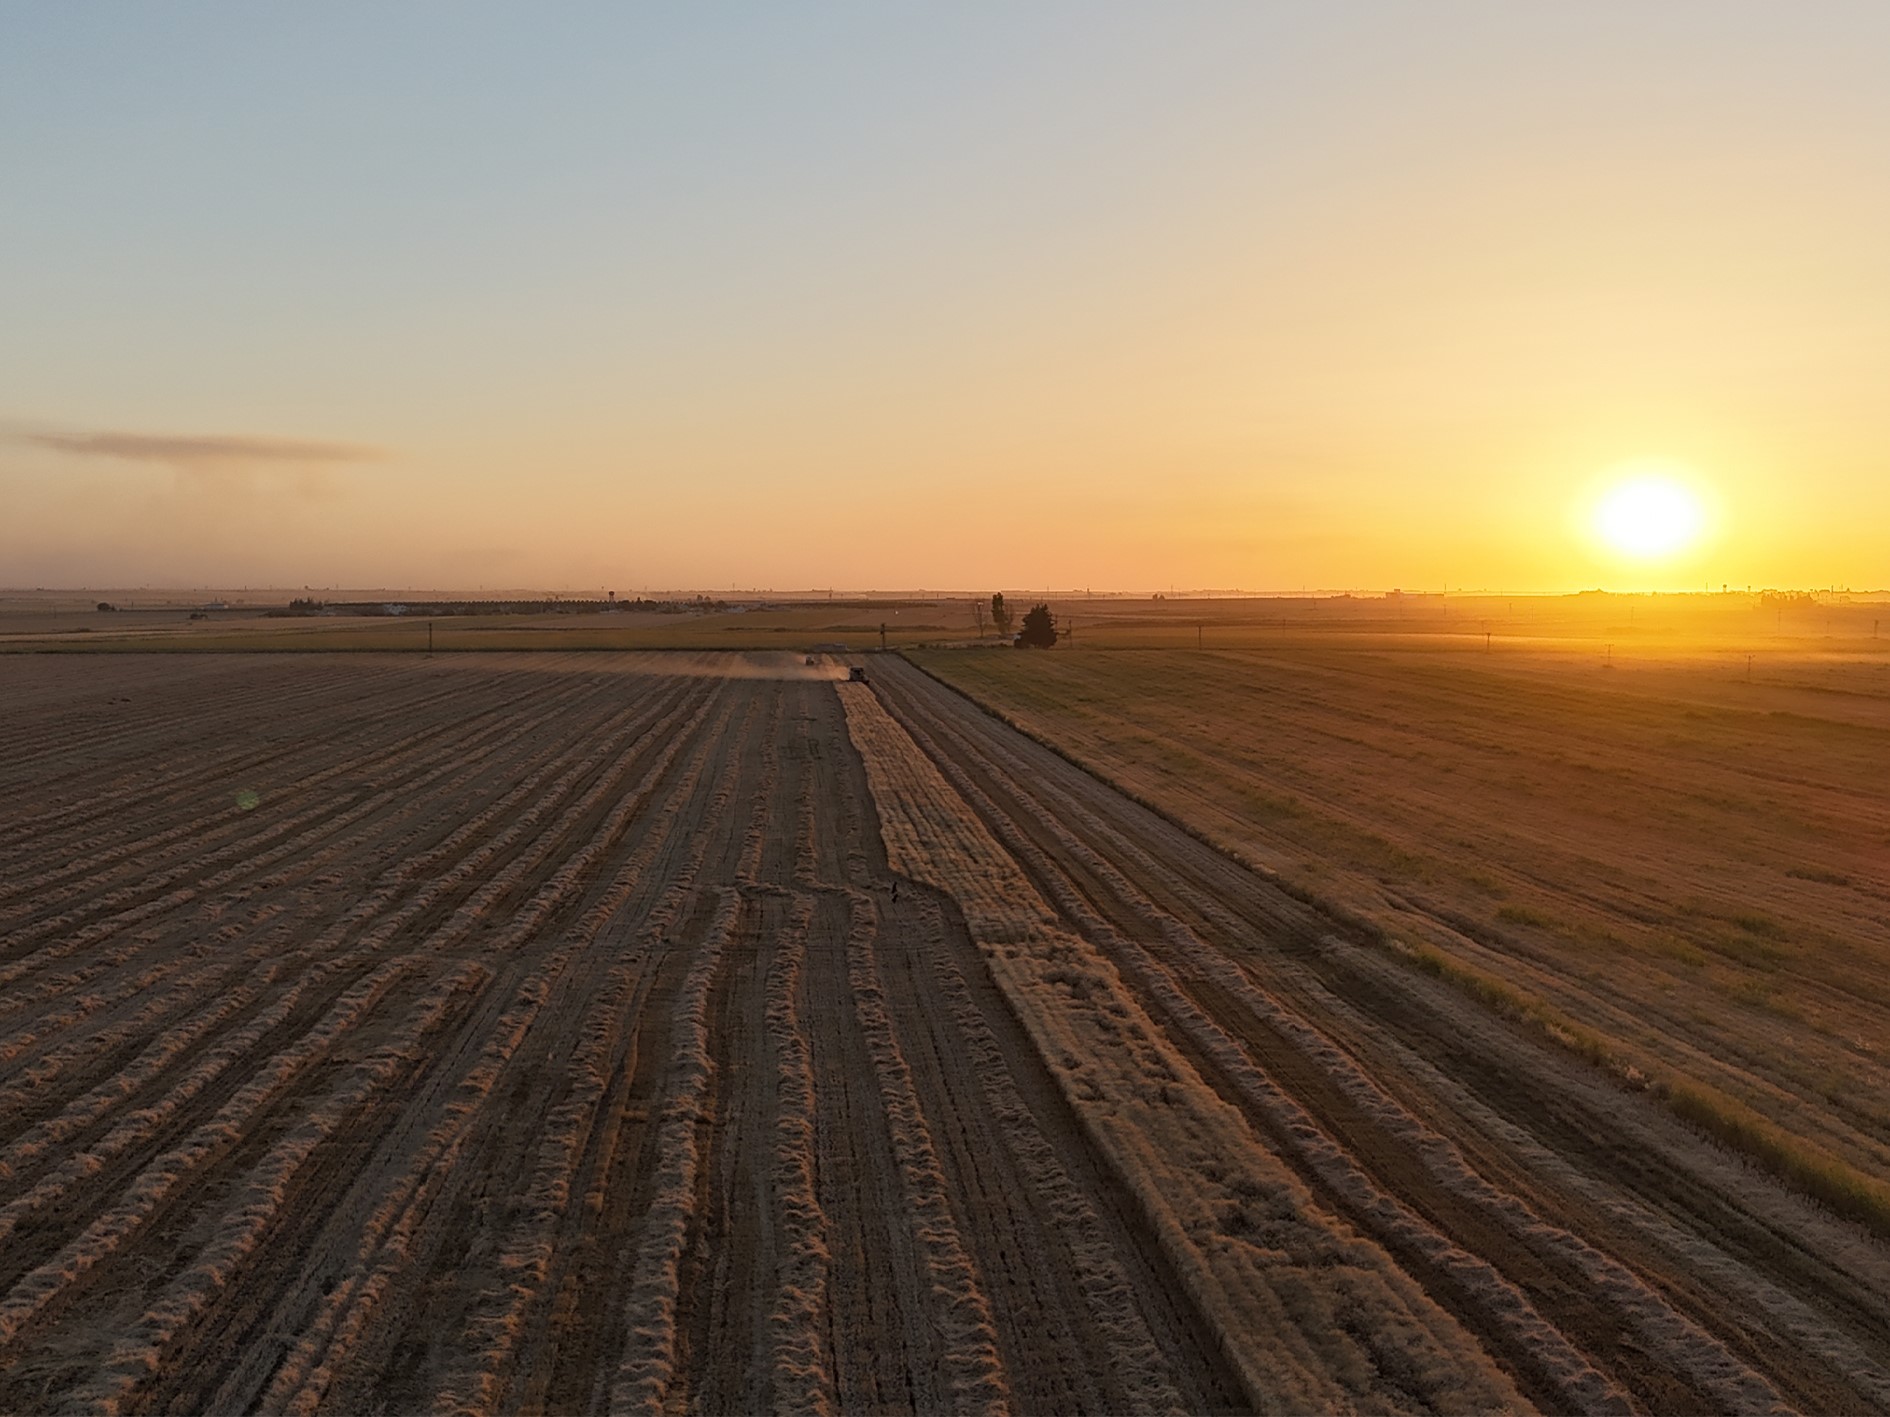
1197,634
882,636
429,639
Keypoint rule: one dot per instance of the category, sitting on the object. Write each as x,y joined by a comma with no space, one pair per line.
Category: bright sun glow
1649,516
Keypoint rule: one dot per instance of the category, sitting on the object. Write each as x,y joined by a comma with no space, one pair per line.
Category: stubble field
591,1033
1681,871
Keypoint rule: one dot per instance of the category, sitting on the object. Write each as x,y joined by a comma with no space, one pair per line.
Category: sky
621,296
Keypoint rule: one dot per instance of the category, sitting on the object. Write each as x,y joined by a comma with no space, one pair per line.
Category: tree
1000,614
1040,629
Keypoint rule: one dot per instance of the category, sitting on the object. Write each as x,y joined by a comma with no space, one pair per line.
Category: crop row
93,862
251,858
1286,1292
183,757
440,879
156,1184
1118,860
798,1319
525,1260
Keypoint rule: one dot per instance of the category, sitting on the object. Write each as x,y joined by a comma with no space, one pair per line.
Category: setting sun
1649,516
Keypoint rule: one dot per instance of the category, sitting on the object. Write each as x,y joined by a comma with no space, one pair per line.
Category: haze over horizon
1072,296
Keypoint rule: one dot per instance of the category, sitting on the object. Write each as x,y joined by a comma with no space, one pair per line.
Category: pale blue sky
858,294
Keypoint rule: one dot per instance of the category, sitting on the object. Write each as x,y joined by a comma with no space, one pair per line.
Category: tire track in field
971,1372
723,1320
1063,1305
1096,1219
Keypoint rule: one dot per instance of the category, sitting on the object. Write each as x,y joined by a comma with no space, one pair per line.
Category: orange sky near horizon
1093,296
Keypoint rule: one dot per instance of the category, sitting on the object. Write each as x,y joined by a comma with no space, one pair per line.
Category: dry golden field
71,624
1621,627
1682,872
642,1032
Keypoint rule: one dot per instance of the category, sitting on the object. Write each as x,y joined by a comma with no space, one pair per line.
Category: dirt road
575,1033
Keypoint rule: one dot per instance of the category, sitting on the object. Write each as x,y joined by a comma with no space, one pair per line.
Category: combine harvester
856,673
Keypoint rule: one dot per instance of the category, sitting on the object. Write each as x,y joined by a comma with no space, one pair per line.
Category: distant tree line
441,608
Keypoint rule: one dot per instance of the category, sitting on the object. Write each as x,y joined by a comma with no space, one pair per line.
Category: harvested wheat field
639,1032
1675,866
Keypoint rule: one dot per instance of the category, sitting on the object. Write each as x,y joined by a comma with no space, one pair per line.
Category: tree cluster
1040,629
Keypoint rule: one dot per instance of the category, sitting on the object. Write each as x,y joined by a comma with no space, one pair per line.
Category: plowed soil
637,1033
